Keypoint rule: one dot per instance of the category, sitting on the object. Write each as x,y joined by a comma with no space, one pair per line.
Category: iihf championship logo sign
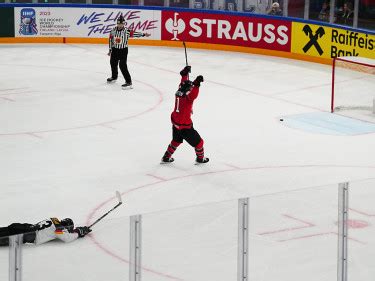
175,26
28,22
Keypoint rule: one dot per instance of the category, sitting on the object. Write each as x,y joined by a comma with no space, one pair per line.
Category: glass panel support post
15,257
332,11
135,248
243,239
355,10
342,257
285,8
306,13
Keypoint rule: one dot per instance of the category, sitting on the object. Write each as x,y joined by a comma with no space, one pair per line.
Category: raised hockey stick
183,42
118,195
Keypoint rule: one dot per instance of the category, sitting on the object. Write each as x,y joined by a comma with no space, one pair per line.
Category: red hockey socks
199,150
171,148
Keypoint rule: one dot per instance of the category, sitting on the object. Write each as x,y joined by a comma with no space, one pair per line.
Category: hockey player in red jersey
182,125
44,231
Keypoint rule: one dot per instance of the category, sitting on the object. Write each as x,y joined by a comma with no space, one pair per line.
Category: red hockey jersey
183,108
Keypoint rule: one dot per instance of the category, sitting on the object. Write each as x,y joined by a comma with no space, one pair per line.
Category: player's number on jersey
177,105
43,225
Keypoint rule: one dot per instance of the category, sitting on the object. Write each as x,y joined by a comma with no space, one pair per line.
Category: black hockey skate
127,86
111,79
201,160
166,160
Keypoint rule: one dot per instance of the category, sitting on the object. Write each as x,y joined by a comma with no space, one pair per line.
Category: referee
118,50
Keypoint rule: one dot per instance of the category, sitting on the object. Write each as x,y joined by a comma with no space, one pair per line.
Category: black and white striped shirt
119,38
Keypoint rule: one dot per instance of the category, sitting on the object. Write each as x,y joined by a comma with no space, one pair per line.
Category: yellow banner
328,42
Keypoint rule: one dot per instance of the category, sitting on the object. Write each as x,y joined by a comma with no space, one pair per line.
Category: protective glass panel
197,243
293,235
128,2
361,230
344,12
275,7
319,10
201,4
102,1
366,14
48,1
228,5
22,1
75,1
179,3
154,2
257,7
296,8
101,255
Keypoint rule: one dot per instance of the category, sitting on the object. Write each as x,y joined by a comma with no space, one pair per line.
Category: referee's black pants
120,55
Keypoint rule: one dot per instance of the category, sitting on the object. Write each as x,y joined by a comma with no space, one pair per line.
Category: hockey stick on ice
118,195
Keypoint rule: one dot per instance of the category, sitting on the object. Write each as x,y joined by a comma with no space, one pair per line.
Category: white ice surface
68,140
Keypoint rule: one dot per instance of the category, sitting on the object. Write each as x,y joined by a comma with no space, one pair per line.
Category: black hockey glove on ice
82,231
197,82
186,70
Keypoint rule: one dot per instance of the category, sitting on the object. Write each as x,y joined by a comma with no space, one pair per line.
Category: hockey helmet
67,223
120,20
184,88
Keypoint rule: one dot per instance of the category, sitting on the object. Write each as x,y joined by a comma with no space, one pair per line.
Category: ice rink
69,140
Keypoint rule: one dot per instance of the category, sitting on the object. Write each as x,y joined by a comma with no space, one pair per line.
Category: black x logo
313,38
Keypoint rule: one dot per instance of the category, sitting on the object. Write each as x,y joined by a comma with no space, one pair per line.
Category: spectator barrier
232,31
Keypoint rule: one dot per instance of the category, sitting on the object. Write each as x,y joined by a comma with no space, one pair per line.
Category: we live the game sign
83,23
235,30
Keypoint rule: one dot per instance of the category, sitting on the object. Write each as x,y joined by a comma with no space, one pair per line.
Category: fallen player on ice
44,231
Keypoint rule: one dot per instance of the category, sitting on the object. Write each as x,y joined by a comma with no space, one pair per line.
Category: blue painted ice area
329,123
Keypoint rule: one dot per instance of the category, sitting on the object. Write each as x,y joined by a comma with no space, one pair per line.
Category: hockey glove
197,82
82,231
186,70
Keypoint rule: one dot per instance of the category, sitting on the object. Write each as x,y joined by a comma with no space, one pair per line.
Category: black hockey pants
190,135
26,229
120,55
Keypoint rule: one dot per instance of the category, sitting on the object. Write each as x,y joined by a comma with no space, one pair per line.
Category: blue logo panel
28,22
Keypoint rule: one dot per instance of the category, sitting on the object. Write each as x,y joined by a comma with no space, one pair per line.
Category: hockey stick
118,195
183,42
